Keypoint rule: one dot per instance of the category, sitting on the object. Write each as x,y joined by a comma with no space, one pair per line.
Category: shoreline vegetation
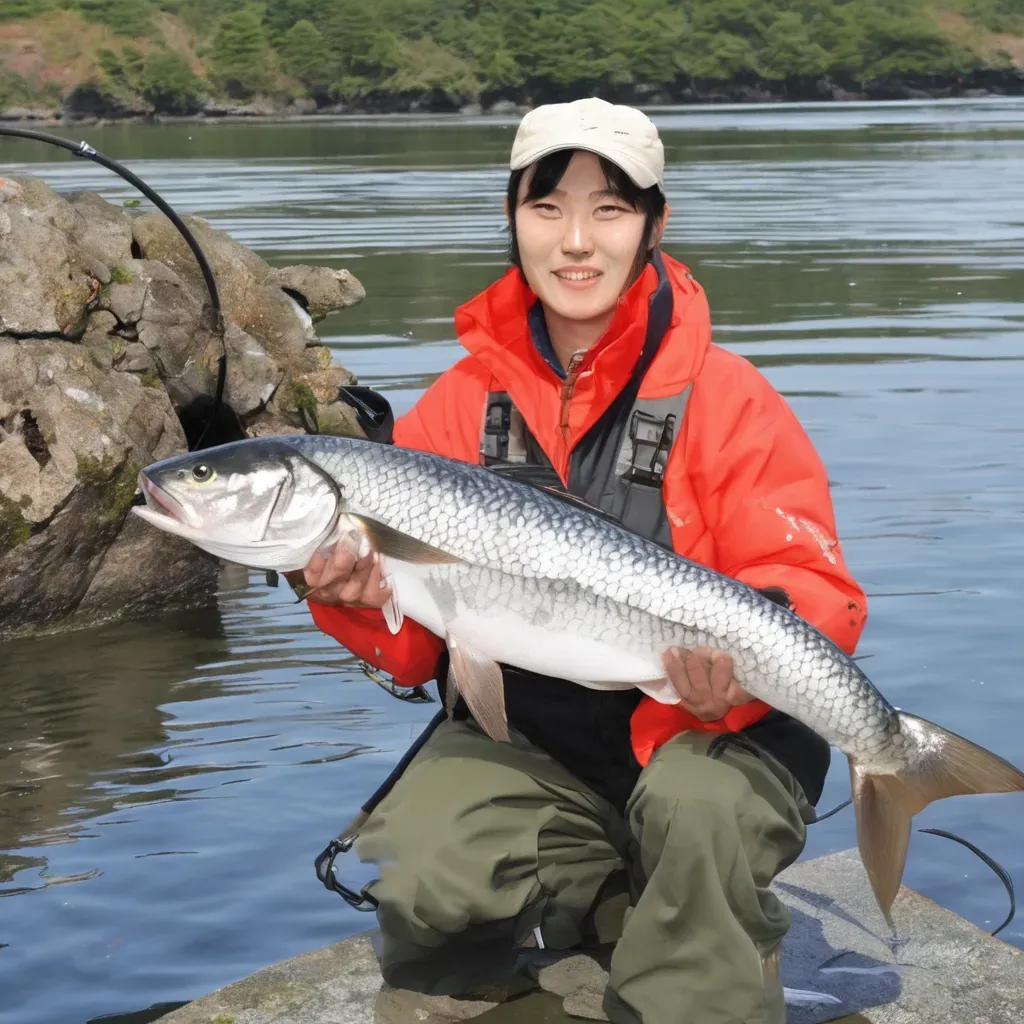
75,60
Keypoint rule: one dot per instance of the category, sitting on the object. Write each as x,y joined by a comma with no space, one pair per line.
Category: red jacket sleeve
442,422
763,494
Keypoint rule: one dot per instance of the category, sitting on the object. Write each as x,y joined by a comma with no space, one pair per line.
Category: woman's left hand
704,681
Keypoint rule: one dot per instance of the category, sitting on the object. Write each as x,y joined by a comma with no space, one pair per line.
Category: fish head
257,502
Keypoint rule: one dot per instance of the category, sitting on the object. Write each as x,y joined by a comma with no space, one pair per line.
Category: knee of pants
448,858
684,788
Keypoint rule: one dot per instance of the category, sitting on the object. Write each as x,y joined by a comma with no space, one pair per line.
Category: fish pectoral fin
401,546
482,686
938,763
392,612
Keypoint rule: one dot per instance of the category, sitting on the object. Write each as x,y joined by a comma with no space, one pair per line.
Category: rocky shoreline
109,355
86,105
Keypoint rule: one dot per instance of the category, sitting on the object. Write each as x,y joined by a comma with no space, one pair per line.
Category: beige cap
624,135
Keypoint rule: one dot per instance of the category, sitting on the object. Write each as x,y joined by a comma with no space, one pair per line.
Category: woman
590,366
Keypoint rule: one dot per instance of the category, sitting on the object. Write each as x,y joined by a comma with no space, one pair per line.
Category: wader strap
653,427
503,436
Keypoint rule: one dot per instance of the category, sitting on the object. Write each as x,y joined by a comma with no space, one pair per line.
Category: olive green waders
479,843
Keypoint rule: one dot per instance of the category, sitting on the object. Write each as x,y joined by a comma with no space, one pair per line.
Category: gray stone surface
839,955
100,353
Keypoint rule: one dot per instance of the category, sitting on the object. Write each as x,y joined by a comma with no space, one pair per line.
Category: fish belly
554,628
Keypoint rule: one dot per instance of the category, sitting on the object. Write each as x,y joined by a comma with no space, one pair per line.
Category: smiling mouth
577,275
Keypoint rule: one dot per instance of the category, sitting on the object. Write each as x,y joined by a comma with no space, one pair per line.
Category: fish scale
510,574
489,521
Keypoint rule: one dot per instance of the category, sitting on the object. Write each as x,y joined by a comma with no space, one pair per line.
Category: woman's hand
704,681
342,578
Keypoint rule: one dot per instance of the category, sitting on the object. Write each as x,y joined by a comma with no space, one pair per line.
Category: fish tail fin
937,763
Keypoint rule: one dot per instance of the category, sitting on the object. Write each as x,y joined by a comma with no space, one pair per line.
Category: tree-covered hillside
172,56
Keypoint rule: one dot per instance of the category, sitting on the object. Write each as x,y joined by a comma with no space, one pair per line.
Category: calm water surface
164,786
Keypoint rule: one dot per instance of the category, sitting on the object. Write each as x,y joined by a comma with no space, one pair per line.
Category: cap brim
640,175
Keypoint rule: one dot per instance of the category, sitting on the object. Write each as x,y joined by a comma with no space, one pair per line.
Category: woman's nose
577,240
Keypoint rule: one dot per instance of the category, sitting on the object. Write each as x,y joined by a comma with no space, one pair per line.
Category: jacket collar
494,327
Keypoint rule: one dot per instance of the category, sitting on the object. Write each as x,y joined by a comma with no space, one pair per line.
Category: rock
46,279
27,114
503,107
106,231
321,289
252,377
103,356
72,439
300,106
99,339
944,970
259,307
137,358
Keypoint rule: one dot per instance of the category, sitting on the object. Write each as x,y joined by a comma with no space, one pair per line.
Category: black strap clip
497,426
651,438
362,901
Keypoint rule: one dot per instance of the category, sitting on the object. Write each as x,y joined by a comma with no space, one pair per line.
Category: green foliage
241,61
1006,16
126,17
169,83
162,77
535,50
305,56
281,15
16,10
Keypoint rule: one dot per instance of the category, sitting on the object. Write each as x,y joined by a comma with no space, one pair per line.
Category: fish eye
202,473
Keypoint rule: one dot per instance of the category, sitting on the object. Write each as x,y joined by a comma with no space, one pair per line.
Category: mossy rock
116,483
14,528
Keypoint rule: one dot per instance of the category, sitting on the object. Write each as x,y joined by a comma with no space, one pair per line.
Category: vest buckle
651,439
503,436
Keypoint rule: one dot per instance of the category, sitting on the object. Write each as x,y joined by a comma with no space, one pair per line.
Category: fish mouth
160,502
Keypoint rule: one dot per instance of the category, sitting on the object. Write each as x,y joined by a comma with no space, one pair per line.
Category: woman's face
578,245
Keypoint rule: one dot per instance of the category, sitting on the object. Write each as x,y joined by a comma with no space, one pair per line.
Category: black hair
549,171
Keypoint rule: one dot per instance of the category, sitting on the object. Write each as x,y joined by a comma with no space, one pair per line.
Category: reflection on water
164,786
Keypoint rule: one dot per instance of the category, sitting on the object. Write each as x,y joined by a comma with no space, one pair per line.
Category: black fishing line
215,419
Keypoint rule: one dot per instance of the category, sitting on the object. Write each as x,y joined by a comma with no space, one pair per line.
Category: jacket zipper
572,372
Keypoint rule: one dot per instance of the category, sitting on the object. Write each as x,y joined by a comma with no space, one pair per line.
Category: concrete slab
839,964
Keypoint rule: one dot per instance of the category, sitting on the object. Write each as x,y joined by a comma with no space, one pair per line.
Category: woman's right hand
341,578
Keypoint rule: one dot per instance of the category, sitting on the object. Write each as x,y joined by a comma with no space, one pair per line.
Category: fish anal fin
401,546
479,680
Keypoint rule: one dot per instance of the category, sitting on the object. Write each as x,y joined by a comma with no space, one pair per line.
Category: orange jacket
744,489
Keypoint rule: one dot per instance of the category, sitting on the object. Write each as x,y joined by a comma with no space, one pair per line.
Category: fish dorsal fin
401,546
572,499
544,478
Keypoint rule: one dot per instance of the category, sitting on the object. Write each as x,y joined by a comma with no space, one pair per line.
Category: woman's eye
545,207
610,209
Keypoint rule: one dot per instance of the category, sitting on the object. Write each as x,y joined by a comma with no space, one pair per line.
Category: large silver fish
508,573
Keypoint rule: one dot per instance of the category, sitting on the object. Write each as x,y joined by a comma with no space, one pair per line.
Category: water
164,786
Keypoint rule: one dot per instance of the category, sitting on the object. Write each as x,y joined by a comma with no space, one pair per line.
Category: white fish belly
553,629
508,638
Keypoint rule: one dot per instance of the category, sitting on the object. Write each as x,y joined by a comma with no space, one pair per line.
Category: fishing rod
85,151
